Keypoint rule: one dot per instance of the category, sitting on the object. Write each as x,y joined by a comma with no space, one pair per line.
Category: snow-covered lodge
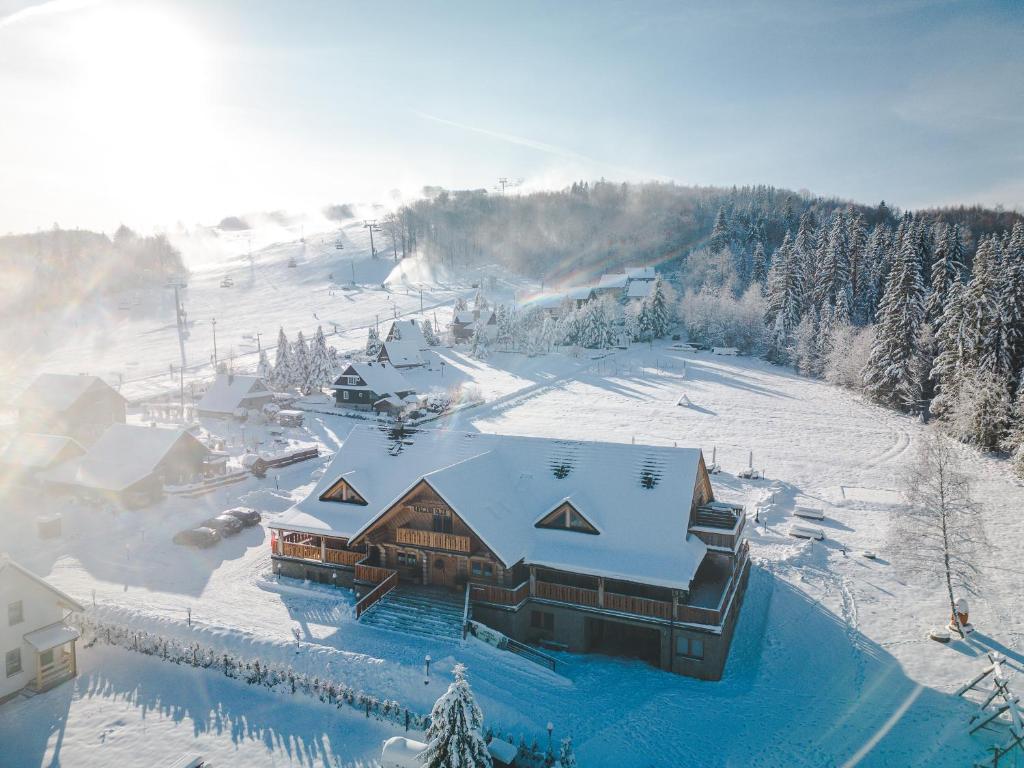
37,643
230,392
599,547
366,386
81,407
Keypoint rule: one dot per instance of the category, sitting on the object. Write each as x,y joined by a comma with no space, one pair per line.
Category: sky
154,113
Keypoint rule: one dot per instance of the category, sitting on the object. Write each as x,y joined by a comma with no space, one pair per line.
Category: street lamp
551,727
426,666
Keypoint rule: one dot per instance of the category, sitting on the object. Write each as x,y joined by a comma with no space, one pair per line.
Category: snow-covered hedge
252,671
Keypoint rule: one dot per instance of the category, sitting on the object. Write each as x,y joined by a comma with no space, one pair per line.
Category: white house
37,643
229,392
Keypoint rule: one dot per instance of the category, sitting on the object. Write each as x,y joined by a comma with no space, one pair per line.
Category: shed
503,753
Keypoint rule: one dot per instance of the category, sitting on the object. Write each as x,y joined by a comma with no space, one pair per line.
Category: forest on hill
44,270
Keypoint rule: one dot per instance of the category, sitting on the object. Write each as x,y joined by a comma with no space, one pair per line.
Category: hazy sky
156,112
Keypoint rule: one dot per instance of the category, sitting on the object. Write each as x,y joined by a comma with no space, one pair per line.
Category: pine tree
1012,306
478,344
566,755
428,333
891,373
659,317
720,234
760,270
282,362
321,373
783,301
263,369
455,738
506,326
857,243
300,370
948,365
980,324
372,342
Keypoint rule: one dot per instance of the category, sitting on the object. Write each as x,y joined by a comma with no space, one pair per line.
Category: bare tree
939,535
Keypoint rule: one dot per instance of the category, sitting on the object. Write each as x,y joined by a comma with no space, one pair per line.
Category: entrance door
443,569
618,639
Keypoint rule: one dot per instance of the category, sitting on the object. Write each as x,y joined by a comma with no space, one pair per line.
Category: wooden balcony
301,551
642,606
372,573
433,540
489,593
566,594
325,555
343,556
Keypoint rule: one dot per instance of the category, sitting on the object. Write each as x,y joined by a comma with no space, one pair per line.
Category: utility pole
504,182
259,346
213,322
373,226
353,262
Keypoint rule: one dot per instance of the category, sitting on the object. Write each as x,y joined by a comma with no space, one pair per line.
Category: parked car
225,525
247,517
201,537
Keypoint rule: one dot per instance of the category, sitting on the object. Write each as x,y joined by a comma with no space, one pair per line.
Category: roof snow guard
637,496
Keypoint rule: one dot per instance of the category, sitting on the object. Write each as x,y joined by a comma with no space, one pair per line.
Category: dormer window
343,492
567,518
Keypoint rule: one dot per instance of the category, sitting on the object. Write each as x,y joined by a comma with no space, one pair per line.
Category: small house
362,385
465,323
638,290
646,274
229,392
401,354
28,454
37,643
76,406
130,465
580,295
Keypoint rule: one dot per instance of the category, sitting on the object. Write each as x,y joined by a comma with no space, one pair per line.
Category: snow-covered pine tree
890,375
1012,305
455,736
805,344
506,326
372,342
299,375
805,245
981,310
547,334
478,344
857,244
720,234
428,333
566,755
876,269
660,315
321,373
760,267
947,367
782,313
460,304
281,378
263,369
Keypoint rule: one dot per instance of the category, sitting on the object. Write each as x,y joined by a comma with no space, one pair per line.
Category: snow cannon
962,615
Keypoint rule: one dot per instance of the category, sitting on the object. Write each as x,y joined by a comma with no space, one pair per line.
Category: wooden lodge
592,547
79,407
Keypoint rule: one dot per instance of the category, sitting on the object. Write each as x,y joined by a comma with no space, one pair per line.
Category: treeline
49,269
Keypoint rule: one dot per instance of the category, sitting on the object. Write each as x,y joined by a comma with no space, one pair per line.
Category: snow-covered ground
829,666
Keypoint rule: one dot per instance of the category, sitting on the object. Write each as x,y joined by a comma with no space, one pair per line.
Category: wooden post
533,581
323,549
600,591
74,660
39,671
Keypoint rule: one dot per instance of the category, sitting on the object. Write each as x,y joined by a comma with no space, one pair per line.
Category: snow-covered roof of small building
502,750
402,354
57,392
124,455
465,317
408,331
639,289
580,293
610,280
641,273
51,636
6,561
229,392
637,496
402,752
381,378
34,451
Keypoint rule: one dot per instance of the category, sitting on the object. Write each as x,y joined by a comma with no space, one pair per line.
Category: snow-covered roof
381,378
58,391
400,752
6,561
639,289
49,637
500,484
641,273
465,317
580,293
502,750
229,392
124,455
408,331
402,354
34,451
609,280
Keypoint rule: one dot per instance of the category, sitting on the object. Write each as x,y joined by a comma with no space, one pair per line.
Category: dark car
225,525
247,517
197,537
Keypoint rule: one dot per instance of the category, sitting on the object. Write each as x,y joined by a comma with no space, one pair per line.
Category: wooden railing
372,597
303,551
489,593
643,606
343,556
566,594
433,540
373,573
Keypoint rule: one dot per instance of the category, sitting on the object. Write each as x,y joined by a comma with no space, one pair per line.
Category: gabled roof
57,392
124,455
229,392
610,280
408,331
639,289
641,273
34,451
402,354
465,317
580,293
7,562
380,378
637,496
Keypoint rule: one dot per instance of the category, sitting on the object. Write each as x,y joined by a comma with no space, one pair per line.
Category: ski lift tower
181,320
373,226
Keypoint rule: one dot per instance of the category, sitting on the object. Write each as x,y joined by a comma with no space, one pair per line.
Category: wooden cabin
80,407
361,386
590,546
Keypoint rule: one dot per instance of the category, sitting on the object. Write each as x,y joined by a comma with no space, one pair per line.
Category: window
567,518
482,568
477,570
15,613
690,647
442,521
13,662
344,394
343,492
408,560
542,620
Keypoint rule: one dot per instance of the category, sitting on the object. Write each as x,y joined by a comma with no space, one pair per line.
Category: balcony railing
642,606
433,540
489,593
372,573
565,594
314,552
343,556
301,551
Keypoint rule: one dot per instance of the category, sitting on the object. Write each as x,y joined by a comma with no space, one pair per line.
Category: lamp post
426,668
551,728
